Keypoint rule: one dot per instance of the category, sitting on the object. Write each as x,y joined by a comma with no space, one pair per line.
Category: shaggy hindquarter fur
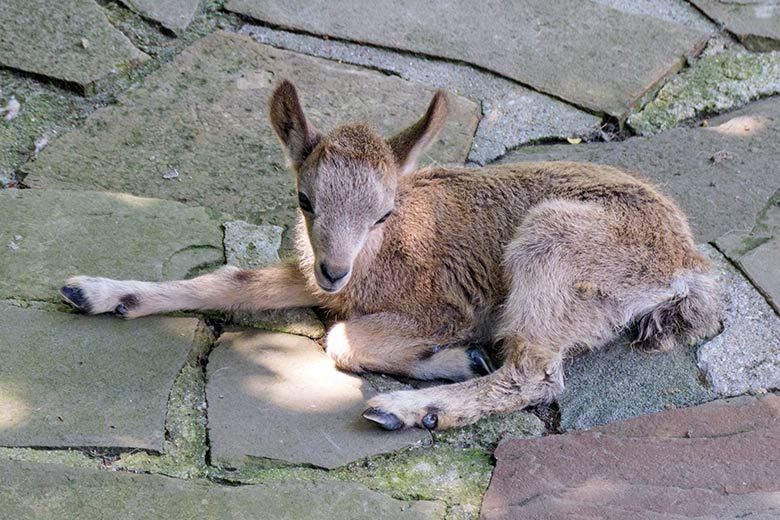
446,272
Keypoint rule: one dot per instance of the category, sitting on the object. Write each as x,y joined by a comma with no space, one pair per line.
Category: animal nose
333,274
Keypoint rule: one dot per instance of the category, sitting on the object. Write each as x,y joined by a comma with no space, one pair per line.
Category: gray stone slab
757,250
44,491
70,41
512,115
746,355
755,22
175,15
620,382
48,236
204,114
277,399
567,48
674,11
251,247
715,82
721,175
71,380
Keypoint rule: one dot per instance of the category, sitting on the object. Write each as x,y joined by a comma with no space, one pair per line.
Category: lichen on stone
715,82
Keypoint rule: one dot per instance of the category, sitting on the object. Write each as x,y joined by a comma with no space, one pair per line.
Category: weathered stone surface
276,399
204,114
69,41
540,44
175,15
45,491
672,11
721,176
713,83
746,355
300,321
513,115
249,246
48,236
71,380
755,22
714,419
757,251
723,466
620,382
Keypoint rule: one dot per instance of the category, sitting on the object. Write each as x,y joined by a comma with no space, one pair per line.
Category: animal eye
387,215
304,202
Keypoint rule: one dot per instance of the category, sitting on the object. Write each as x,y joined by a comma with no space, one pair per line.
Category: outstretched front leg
229,288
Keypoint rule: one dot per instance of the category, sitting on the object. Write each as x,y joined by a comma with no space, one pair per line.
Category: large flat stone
757,250
513,115
711,461
620,382
721,175
175,15
204,115
755,22
44,491
277,399
746,355
71,380
561,48
49,236
70,41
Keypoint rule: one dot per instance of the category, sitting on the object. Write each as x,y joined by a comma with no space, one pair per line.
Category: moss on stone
185,446
66,457
713,83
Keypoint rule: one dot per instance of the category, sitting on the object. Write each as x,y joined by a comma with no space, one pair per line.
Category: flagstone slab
757,250
276,399
48,236
755,22
204,116
746,355
512,115
722,176
564,48
713,461
175,15
68,380
69,41
44,491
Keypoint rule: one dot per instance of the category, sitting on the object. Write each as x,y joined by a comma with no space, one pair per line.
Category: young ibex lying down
423,268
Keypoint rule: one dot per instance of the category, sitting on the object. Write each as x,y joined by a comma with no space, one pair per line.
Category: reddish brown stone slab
648,468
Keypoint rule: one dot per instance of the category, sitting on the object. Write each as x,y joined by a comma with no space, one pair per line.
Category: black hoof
121,310
479,362
386,420
75,297
430,421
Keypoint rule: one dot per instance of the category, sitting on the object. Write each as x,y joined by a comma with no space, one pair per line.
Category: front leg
229,288
392,343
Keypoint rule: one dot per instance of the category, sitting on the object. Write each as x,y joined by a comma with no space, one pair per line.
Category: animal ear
298,136
409,144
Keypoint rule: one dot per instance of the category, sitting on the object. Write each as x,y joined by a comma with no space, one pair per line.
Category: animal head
346,178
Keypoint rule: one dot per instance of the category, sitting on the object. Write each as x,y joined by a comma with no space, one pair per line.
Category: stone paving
134,144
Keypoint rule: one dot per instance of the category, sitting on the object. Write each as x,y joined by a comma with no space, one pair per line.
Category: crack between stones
404,52
746,276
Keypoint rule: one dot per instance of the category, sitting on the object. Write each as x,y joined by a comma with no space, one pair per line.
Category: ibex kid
424,268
